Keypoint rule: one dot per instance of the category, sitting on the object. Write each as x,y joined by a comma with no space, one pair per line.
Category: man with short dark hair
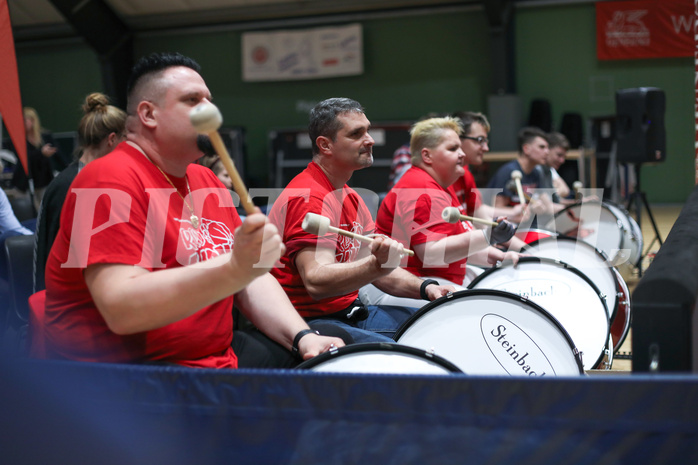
151,250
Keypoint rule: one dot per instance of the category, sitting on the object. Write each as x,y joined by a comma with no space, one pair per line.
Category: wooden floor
664,216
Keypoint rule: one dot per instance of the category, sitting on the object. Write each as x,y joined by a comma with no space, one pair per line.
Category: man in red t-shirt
322,275
474,142
151,250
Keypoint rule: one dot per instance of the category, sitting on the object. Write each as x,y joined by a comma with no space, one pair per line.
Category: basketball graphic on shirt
347,247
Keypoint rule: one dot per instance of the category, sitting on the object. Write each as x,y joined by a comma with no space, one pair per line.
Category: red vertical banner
644,29
10,98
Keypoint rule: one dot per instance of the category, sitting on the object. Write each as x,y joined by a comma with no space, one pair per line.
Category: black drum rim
601,253
561,264
392,347
497,293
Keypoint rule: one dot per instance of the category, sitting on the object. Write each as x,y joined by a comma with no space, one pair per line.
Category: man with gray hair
322,275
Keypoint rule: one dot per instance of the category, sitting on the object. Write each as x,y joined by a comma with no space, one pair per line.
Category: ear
146,113
426,156
525,148
111,139
324,144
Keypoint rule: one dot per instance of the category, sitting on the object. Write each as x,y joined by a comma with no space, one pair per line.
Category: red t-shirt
129,214
411,214
312,192
467,193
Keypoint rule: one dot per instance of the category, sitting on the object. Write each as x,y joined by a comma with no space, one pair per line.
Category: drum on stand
620,326
489,332
594,264
564,292
587,259
378,357
605,226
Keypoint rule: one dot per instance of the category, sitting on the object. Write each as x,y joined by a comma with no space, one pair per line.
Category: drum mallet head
316,224
206,118
516,174
577,185
451,215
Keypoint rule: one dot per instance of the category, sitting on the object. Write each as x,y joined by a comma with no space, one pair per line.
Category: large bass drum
378,357
489,332
587,259
607,227
567,294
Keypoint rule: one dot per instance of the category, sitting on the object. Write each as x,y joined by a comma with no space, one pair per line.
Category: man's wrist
423,288
297,340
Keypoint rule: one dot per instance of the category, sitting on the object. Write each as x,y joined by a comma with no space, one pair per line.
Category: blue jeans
380,326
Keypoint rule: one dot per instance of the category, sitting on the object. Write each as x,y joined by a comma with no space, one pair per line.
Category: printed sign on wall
644,29
302,54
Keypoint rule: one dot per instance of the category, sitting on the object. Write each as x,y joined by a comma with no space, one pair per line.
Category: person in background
151,255
214,163
533,151
101,128
40,149
322,275
475,144
558,146
402,158
9,226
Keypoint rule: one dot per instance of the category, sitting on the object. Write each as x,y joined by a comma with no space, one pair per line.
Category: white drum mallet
577,185
516,176
320,225
206,119
452,215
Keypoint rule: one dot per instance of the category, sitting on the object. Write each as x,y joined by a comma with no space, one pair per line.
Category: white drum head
380,358
597,225
586,259
488,332
565,292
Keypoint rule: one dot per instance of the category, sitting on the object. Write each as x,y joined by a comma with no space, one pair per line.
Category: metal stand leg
638,198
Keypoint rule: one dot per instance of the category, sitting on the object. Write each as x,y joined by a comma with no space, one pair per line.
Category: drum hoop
625,232
564,238
562,264
378,346
601,253
497,293
604,204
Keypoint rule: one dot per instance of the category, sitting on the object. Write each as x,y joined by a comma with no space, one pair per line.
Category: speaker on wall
640,131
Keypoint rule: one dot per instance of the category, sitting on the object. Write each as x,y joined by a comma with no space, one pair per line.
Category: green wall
412,65
55,79
556,60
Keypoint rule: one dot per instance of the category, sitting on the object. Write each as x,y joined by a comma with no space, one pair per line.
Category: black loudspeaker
540,115
640,132
572,127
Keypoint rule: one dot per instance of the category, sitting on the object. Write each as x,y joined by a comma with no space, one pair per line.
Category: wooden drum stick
206,119
320,225
452,215
516,176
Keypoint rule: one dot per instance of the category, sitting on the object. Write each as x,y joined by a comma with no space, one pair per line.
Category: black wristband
423,288
299,336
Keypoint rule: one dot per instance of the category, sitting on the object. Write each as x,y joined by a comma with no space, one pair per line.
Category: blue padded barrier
73,413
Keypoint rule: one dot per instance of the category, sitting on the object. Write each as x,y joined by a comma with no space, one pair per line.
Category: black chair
23,207
19,252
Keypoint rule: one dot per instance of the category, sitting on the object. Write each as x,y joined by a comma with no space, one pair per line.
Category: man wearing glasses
475,144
